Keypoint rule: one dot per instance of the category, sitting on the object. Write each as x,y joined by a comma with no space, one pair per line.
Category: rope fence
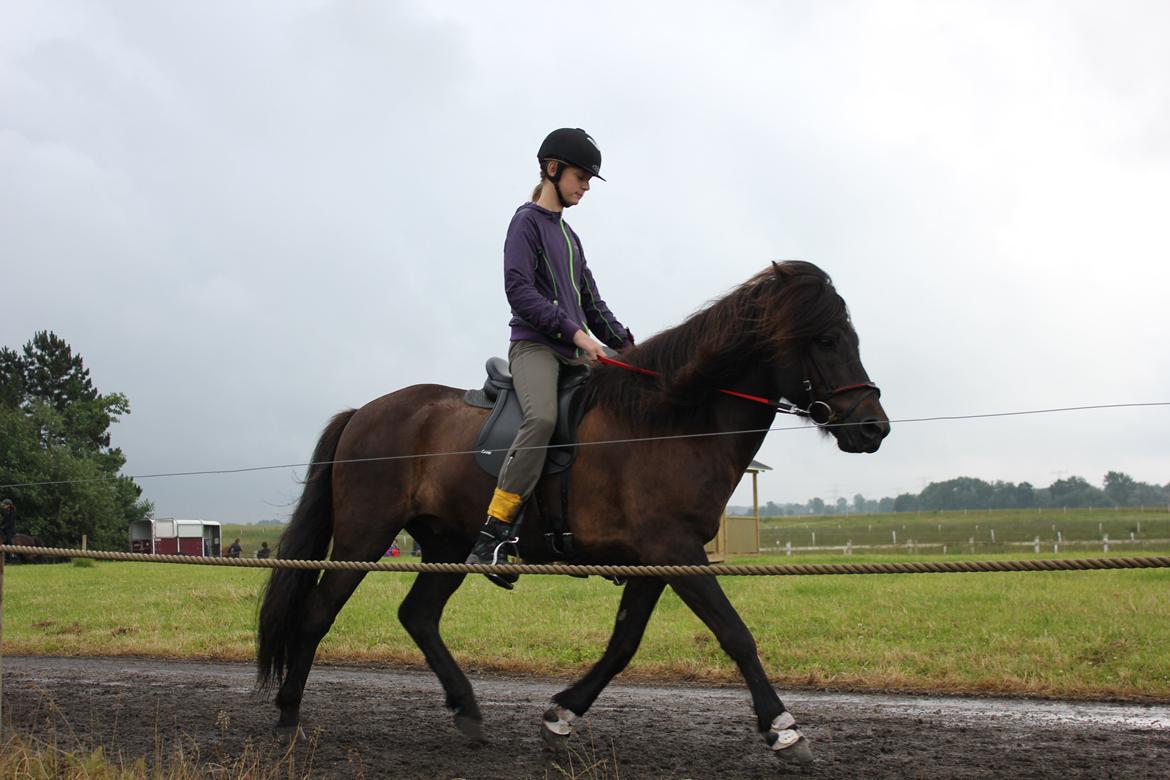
623,572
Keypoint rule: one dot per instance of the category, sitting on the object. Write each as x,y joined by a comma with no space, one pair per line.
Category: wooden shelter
739,535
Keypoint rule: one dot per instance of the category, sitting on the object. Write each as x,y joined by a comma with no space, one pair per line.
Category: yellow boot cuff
504,505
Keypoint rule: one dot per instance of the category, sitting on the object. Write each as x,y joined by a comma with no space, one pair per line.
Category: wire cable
632,440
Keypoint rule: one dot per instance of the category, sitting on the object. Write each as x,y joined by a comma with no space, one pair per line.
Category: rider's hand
588,346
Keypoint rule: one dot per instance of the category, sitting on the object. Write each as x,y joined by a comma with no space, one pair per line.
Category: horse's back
409,452
398,423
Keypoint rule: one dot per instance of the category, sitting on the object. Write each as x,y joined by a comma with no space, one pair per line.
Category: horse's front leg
708,601
638,600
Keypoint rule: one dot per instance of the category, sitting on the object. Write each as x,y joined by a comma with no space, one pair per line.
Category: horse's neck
740,414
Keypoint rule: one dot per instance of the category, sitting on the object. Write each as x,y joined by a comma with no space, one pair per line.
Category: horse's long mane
770,317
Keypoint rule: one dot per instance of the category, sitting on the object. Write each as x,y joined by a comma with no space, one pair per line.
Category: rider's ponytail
543,178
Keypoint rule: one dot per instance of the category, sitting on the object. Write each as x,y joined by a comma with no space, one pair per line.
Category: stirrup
491,551
505,580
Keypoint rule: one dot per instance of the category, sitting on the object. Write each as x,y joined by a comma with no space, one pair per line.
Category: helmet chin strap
556,182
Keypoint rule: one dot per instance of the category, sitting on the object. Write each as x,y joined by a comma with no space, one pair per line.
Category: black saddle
498,433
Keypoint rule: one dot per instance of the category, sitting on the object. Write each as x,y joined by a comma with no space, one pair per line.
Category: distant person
263,552
415,547
235,550
394,550
8,518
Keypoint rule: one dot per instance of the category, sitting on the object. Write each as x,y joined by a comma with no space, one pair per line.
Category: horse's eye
826,342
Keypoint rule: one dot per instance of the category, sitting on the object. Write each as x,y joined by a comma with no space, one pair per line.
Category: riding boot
491,549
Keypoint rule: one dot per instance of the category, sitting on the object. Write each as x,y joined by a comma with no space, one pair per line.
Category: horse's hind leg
321,608
708,601
638,600
420,613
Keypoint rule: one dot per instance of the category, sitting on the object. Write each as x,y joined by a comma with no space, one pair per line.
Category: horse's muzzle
864,435
873,430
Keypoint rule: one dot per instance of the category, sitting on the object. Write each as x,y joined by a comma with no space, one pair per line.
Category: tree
1076,492
959,493
972,493
11,378
54,428
906,502
54,376
1150,495
1025,497
1120,487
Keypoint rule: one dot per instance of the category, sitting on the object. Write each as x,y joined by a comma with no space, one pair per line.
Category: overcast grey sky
248,216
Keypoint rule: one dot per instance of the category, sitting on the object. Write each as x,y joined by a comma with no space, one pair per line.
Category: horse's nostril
874,428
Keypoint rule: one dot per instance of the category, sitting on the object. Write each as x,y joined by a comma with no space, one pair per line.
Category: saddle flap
499,430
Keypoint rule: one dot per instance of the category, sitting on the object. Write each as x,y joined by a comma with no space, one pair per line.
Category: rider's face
574,184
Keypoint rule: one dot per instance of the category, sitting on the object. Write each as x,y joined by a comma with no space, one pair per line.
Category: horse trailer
172,536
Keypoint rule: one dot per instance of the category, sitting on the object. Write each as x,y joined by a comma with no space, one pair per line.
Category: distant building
739,535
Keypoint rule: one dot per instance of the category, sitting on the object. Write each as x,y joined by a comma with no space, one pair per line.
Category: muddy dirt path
391,723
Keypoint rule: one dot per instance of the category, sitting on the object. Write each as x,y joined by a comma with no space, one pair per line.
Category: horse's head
819,360
841,399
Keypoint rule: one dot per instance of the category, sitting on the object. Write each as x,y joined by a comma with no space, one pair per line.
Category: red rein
619,364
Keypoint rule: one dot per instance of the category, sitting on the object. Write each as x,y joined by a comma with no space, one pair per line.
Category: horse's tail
306,538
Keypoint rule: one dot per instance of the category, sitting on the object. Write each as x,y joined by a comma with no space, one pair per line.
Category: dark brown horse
785,333
28,540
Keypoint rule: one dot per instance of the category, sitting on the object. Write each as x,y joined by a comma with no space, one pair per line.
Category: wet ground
391,723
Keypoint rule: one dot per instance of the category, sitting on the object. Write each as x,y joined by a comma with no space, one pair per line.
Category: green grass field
1076,634
976,530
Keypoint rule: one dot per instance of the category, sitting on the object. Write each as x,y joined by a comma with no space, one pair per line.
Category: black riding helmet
571,145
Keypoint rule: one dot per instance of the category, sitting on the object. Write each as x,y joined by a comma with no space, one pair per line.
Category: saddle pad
479,399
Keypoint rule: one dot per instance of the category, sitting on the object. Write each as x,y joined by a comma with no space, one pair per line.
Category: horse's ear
777,271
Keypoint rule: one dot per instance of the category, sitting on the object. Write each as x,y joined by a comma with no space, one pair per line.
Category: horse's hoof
556,727
472,728
797,753
289,735
787,742
553,742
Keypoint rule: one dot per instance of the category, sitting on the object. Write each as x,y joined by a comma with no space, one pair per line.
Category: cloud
246,218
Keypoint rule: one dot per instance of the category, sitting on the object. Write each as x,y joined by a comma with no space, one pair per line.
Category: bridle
819,411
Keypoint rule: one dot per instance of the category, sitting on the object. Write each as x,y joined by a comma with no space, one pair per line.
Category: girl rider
555,305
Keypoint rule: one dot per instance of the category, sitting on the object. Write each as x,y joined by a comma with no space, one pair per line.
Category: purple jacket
549,286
